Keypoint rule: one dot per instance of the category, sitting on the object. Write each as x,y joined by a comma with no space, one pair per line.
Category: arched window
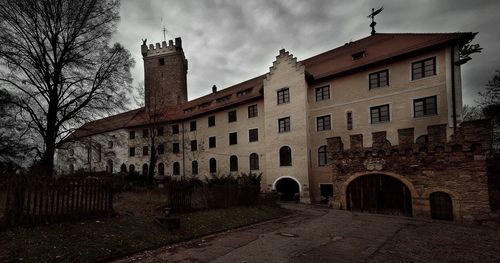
322,156
123,168
194,167
161,169
131,169
233,163
213,165
285,156
145,170
109,166
254,161
176,169
71,168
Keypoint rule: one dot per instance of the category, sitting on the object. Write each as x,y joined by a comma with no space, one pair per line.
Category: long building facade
279,123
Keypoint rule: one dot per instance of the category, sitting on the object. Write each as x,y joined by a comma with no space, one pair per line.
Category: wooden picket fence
34,201
185,197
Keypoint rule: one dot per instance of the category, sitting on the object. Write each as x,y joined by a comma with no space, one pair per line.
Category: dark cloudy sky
229,41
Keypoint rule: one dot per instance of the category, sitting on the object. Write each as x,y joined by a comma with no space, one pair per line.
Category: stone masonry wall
457,167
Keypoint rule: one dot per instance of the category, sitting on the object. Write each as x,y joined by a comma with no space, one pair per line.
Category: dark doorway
288,189
326,192
378,193
441,206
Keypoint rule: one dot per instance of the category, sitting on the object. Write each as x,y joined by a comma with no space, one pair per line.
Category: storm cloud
228,41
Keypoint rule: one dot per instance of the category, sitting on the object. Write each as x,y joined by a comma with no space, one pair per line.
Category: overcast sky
229,41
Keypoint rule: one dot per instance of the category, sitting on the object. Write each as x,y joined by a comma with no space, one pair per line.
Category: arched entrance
288,189
441,206
379,193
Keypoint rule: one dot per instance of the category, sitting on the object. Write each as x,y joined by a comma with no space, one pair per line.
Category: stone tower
165,70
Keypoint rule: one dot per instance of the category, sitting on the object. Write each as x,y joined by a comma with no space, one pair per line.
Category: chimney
214,89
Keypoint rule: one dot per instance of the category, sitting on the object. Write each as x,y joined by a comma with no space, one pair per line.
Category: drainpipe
183,154
453,95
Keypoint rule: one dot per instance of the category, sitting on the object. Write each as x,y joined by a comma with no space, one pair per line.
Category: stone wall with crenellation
457,166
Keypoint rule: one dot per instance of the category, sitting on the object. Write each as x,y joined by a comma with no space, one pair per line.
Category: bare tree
490,98
55,57
13,145
471,113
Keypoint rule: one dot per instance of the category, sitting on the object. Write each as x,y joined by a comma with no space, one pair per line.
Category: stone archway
288,188
379,193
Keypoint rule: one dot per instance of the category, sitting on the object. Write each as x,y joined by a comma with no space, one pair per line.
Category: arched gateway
288,189
379,193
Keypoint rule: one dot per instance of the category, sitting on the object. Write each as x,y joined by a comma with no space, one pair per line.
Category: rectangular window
380,113
425,106
231,116
233,138
212,142
145,150
283,95
252,111
379,79
211,121
176,147
284,124
145,133
423,68
349,120
161,149
160,131
131,151
161,61
132,135
323,93
253,135
194,145
323,123
192,126
175,129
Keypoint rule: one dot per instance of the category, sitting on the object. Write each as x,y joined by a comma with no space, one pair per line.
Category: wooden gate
378,193
441,206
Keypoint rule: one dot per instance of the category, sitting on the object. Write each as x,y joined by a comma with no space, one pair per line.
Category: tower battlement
161,48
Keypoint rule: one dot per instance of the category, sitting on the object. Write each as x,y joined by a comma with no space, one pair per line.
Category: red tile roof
377,48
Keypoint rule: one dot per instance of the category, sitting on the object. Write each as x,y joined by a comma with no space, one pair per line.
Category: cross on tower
372,16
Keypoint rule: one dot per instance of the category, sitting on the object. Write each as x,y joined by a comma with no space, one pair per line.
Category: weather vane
372,16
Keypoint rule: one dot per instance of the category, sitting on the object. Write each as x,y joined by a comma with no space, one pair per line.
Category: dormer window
204,105
358,55
225,98
243,92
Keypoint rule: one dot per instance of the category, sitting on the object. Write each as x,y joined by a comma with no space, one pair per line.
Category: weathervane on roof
372,16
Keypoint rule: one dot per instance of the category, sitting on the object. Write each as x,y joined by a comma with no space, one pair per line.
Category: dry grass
142,203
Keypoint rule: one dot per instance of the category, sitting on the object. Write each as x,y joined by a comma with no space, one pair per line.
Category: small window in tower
161,61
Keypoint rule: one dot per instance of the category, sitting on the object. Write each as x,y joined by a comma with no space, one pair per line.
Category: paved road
316,234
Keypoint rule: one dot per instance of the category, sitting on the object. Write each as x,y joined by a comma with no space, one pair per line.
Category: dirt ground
316,234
